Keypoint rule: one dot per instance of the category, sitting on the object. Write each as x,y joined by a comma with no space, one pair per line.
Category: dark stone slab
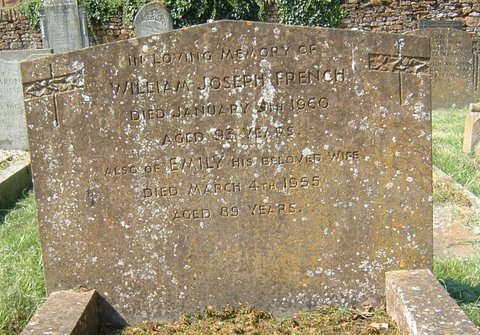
66,313
424,24
476,68
452,67
420,305
296,177
152,18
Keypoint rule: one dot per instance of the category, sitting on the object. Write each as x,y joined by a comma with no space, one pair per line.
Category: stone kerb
471,134
420,305
233,162
66,313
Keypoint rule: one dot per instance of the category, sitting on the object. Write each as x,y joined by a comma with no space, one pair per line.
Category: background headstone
152,18
235,162
476,66
424,23
471,134
13,127
452,67
63,25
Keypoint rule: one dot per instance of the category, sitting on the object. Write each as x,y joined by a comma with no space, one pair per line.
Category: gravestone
471,134
152,18
424,24
476,66
13,127
63,25
452,67
234,162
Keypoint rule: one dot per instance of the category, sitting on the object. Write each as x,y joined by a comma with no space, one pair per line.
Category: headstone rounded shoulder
152,18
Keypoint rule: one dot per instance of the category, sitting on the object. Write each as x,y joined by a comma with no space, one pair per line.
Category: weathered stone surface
63,26
66,313
13,129
451,66
471,133
423,24
420,305
152,18
476,66
296,177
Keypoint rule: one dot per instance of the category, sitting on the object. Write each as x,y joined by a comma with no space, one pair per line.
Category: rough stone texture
63,27
14,180
116,29
16,31
471,133
167,196
451,66
476,68
9,3
401,16
421,306
152,18
66,313
13,128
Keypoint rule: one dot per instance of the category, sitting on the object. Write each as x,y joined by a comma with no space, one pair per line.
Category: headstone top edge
221,23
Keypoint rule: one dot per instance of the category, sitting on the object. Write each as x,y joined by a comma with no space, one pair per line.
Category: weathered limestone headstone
63,25
13,127
233,162
471,134
452,67
152,18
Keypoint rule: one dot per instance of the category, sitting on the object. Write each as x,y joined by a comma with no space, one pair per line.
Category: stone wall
395,16
16,32
114,30
398,16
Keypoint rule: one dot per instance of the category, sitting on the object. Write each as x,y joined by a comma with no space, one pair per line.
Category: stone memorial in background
471,134
476,67
451,66
63,25
13,127
234,162
152,18
424,24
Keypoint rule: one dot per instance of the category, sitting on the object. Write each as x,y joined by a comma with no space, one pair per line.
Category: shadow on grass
4,212
461,292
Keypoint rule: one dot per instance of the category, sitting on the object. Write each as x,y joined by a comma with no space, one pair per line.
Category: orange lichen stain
401,265
396,224
249,23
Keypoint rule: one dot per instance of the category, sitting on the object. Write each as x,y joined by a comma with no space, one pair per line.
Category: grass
447,139
445,192
461,278
21,275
